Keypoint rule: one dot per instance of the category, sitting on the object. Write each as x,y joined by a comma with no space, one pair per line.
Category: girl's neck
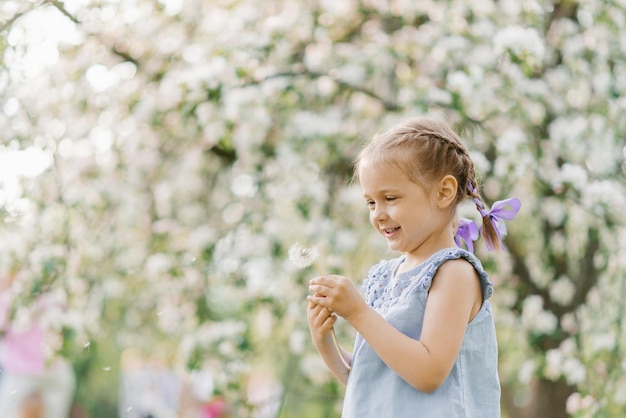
411,261
409,264
414,258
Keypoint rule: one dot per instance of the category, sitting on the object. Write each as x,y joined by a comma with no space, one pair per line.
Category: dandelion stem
317,267
338,349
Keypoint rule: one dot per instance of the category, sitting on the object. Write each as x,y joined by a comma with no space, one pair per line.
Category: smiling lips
390,231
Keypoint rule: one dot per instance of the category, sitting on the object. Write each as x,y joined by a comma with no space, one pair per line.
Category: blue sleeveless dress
471,390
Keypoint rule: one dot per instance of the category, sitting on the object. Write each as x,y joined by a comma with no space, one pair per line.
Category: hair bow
467,233
501,210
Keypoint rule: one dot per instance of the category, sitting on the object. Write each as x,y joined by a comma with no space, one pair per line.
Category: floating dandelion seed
303,257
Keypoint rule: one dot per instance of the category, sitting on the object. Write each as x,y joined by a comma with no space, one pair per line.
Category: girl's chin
393,245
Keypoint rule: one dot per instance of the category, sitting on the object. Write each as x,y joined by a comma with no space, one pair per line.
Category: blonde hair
427,149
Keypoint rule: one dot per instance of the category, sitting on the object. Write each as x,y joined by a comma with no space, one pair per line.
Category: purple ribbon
501,210
467,233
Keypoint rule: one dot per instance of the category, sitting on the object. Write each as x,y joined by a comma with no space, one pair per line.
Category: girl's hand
337,293
321,321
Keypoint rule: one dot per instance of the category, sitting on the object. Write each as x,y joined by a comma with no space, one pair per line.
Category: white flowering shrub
159,158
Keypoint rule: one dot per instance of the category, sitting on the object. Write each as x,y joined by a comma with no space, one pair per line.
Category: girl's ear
446,191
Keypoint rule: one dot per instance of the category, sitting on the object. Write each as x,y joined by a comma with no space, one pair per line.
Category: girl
426,343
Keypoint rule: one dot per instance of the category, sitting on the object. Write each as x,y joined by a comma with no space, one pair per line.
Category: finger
326,312
318,310
319,300
316,300
318,290
323,281
327,321
315,308
320,317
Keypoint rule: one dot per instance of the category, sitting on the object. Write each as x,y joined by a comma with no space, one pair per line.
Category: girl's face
406,213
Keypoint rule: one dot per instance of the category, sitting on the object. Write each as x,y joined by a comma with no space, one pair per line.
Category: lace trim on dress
383,288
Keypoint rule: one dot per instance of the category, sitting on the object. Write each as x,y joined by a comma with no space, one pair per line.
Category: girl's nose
378,214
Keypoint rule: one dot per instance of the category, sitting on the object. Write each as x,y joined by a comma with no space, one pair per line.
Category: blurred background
158,158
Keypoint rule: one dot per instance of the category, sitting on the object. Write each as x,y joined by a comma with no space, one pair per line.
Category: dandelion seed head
302,257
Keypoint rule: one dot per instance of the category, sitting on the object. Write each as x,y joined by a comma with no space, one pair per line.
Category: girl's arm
321,322
454,298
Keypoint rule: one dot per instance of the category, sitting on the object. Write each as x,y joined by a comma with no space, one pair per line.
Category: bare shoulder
456,285
458,273
458,266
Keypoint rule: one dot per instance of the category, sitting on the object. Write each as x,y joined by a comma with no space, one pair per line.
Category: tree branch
113,48
588,276
10,22
60,7
388,105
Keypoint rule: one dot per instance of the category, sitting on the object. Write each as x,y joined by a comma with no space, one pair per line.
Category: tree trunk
548,400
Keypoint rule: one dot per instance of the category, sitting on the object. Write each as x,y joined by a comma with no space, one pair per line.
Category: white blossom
297,341
569,323
574,371
554,363
520,41
576,403
527,371
603,341
535,318
460,82
573,174
562,290
511,140
560,364
601,198
553,210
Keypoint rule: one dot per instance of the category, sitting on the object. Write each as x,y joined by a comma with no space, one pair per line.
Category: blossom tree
160,157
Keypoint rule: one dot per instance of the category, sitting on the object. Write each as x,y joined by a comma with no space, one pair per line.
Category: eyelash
371,203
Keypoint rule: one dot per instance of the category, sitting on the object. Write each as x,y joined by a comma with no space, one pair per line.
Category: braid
442,145
488,229
464,172
456,145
